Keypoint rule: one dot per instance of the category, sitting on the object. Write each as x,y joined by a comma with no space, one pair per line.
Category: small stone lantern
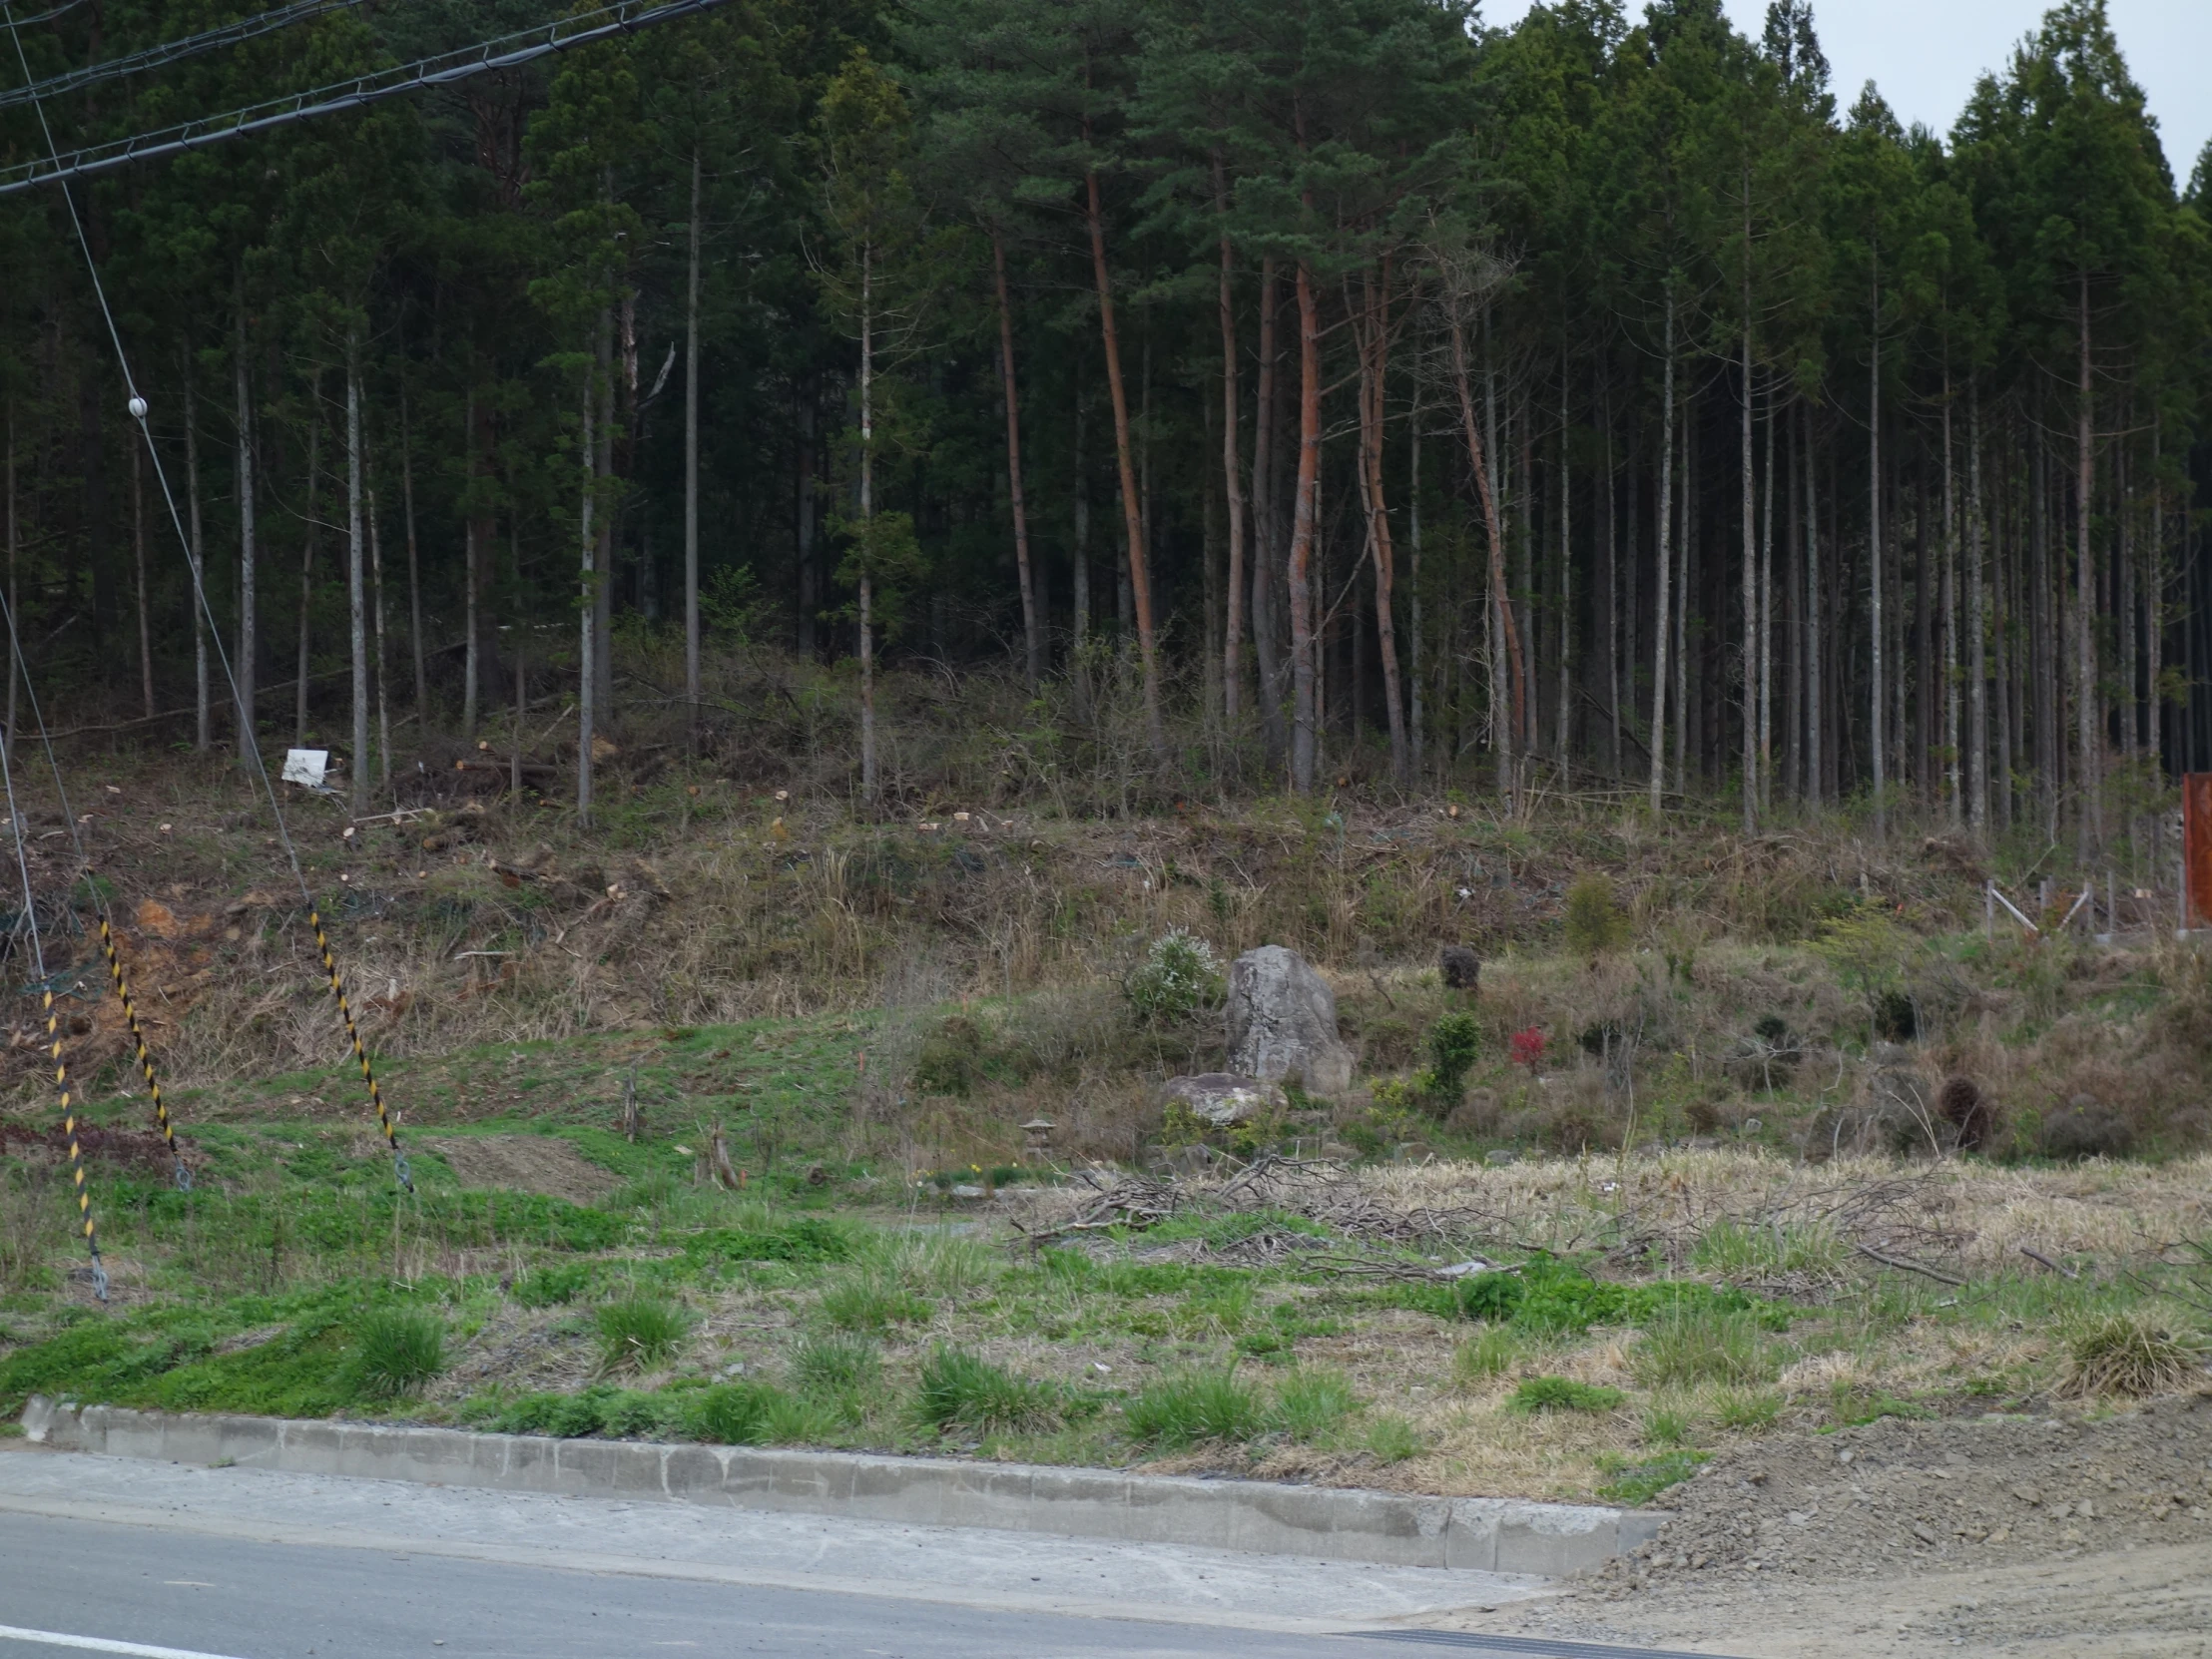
1038,1140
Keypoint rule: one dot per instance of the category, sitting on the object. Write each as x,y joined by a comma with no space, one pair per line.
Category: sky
1925,55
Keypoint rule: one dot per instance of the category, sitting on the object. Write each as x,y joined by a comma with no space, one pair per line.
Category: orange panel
2196,842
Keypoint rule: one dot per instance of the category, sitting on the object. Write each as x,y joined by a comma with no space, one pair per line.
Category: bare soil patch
524,1164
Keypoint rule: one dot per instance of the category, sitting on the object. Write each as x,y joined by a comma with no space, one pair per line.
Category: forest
1310,395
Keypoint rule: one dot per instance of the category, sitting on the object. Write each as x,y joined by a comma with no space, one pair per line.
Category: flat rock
1224,1098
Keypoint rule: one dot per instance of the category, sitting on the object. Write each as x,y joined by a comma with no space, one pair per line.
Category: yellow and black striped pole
76,1150
145,1054
360,1051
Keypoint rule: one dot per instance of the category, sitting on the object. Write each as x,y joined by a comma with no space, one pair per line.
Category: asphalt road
126,1585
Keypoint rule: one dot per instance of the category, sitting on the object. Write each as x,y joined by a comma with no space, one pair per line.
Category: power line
505,52
152,57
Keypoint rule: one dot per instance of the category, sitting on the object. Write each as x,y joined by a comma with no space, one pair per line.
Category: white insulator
138,408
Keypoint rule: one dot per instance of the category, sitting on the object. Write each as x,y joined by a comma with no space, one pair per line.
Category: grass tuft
1311,1402
833,1365
1486,1355
1690,1345
1195,1407
2129,1356
638,1331
1562,1394
960,1390
395,1351
868,1302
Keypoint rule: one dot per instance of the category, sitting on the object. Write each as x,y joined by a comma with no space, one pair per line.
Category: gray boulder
1223,1099
1283,1023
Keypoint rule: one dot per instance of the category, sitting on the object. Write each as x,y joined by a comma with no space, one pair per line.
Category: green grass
960,1390
833,1366
637,1332
1311,1403
1693,1345
1636,1483
1193,1407
868,1302
1489,1353
1562,1394
395,1351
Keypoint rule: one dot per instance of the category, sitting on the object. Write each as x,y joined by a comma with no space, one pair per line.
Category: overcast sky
1925,55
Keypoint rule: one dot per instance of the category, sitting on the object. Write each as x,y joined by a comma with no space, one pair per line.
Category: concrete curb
1482,1534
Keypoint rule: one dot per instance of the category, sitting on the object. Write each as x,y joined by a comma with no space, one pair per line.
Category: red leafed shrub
1528,1047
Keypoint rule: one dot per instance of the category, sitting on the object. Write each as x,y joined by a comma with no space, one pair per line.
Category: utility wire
249,743
504,51
174,51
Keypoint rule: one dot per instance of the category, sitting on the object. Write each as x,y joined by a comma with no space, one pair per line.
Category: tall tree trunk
1816,637
137,557
587,559
870,777
1565,720
1878,689
356,578
1666,572
603,588
15,544
414,564
1977,677
1305,700
2086,769
1266,541
1417,657
1373,371
1609,620
477,554
691,478
806,467
309,543
376,599
1032,621
1079,573
196,553
249,645
1766,615
1232,463
1750,782
1953,736
1501,602
1140,581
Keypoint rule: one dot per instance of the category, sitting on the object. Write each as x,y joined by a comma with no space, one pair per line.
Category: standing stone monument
1283,1023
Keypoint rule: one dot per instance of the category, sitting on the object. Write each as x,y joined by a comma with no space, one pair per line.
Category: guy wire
101,909
249,743
54,1037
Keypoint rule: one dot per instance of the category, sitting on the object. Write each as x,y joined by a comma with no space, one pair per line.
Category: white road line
100,1644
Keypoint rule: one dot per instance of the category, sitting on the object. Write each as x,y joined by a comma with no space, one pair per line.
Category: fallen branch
2034,1255
1906,1266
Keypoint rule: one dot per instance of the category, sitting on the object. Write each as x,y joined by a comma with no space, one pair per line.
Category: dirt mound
524,1164
1894,1497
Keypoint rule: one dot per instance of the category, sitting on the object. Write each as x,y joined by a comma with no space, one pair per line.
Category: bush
395,1351
1454,1045
1595,925
1195,1407
960,1390
1562,1394
1309,1404
2129,1354
637,1332
1179,977
1692,1345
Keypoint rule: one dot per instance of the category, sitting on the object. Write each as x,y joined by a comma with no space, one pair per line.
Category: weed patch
960,1390
1562,1393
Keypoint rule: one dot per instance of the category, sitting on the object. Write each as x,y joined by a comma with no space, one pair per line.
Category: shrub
1595,925
835,1365
1454,1045
1179,977
1691,1345
2129,1354
639,1331
960,1390
1309,1404
1195,1407
1528,1047
395,1351
868,1302
1562,1394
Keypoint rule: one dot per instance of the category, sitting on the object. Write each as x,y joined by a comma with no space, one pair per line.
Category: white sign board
307,766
